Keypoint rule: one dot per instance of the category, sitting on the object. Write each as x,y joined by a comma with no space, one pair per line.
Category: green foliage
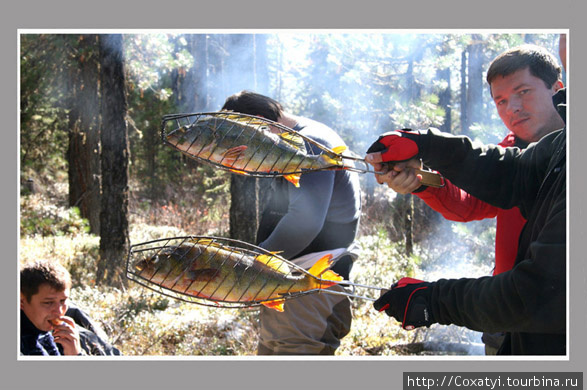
361,84
152,57
39,216
44,67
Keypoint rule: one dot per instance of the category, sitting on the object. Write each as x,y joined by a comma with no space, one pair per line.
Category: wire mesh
247,144
255,146
212,271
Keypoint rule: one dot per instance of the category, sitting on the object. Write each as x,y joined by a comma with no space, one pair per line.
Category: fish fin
207,242
204,241
197,240
276,304
329,278
274,262
320,270
246,120
234,153
339,149
321,265
293,179
294,140
332,159
203,275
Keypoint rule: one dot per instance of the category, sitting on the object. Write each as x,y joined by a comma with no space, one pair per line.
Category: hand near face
67,334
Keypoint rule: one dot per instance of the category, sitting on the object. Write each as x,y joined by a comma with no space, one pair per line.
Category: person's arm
531,296
487,172
308,206
528,298
450,201
503,177
455,204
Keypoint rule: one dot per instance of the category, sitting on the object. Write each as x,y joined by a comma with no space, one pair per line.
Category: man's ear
22,300
557,85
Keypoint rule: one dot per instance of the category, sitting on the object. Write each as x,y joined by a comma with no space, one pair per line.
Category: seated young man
45,329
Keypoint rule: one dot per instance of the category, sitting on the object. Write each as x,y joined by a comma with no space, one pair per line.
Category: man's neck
288,120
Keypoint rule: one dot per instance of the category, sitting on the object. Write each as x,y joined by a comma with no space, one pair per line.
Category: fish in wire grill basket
248,145
255,146
222,272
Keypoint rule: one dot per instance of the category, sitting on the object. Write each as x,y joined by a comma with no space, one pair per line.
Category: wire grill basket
227,276
207,137
255,146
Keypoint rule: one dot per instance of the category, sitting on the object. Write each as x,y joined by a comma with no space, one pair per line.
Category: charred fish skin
247,146
210,272
166,267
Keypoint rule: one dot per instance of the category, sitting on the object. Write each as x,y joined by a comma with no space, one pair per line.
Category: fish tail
321,271
334,160
339,149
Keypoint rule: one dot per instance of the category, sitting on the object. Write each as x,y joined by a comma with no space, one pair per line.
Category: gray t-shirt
323,196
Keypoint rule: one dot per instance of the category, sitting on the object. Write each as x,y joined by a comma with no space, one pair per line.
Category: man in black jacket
529,301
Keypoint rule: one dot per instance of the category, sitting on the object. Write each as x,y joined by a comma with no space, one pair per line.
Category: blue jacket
34,341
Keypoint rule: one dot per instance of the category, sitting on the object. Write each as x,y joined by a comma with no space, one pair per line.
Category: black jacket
92,338
528,302
34,341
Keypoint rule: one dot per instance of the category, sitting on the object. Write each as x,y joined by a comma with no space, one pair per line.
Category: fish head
149,266
166,262
195,139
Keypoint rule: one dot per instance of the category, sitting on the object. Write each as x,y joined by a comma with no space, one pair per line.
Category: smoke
357,83
456,250
224,65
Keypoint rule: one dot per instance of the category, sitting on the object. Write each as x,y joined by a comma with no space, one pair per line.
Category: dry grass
141,322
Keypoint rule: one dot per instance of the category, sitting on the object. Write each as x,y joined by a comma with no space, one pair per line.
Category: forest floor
141,322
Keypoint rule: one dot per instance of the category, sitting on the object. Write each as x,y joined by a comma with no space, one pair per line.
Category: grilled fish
208,270
247,145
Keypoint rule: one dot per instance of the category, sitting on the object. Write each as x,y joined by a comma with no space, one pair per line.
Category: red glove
395,146
408,301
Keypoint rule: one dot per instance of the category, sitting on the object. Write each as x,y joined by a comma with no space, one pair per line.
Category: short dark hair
542,64
252,103
32,276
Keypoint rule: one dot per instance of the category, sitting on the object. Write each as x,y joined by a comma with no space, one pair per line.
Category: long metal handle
353,286
343,283
429,178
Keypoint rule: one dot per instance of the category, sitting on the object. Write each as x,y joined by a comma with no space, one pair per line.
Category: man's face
48,304
524,104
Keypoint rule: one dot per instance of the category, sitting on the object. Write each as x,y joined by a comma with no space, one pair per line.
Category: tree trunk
414,92
445,100
464,119
84,142
405,207
475,80
243,208
190,87
114,240
244,191
261,64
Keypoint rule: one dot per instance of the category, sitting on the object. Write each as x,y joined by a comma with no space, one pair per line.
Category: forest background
96,178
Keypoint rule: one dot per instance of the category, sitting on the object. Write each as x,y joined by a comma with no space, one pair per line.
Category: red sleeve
457,205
